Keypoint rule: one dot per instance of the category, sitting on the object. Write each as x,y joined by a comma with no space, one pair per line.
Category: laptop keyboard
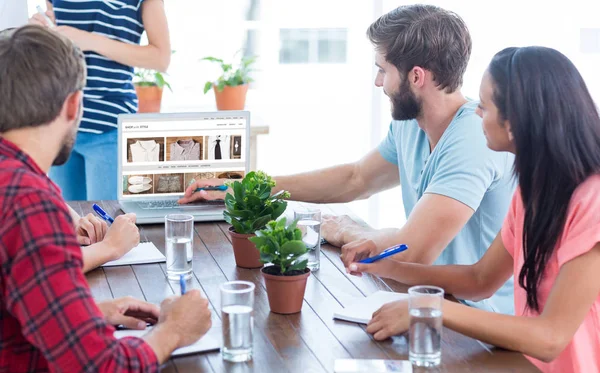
169,204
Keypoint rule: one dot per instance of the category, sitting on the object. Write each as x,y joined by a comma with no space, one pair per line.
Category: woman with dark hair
535,104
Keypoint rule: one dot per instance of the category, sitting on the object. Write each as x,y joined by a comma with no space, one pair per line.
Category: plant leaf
239,227
207,87
212,59
294,248
266,258
261,222
276,195
238,192
298,265
278,209
259,241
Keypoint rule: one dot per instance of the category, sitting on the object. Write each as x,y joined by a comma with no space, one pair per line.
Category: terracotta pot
149,98
231,98
285,293
245,252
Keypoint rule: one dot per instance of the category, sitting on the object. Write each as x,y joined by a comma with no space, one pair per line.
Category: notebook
144,253
211,341
371,366
361,310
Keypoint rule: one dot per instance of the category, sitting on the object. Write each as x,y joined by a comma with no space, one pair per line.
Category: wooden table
309,341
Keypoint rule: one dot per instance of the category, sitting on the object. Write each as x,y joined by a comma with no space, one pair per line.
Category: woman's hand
391,319
83,39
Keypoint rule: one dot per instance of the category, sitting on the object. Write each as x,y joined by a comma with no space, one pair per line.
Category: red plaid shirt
48,318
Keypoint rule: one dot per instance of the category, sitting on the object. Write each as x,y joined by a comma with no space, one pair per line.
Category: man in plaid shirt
48,318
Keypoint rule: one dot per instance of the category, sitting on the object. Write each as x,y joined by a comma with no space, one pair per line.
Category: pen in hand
210,188
103,214
43,14
182,284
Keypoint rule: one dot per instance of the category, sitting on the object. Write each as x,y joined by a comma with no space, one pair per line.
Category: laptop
161,154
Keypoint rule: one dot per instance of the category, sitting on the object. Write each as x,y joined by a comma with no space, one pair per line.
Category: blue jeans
90,174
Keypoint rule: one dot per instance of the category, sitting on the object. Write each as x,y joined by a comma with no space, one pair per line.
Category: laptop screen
160,155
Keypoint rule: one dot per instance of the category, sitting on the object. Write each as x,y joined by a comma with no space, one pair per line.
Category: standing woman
535,104
109,33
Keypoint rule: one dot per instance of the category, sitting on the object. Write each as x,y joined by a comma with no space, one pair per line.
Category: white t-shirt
145,151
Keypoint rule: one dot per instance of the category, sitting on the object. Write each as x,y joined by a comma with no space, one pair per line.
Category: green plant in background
150,78
252,206
281,246
231,76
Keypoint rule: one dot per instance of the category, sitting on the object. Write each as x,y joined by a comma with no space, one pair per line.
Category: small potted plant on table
232,86
248,209
286,278
149,85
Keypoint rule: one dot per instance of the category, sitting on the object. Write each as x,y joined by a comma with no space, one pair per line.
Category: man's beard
65,151
68,142
405,105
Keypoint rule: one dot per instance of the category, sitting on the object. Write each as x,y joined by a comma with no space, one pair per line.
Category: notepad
211,341
361,310
371,366
144,253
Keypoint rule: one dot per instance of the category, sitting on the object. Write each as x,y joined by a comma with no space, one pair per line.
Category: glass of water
179,236
237,304
309,222
425,335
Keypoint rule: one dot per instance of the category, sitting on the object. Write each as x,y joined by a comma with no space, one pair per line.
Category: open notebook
211,341
143,253
361,310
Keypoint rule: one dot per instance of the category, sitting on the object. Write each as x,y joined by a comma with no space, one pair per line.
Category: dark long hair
556,130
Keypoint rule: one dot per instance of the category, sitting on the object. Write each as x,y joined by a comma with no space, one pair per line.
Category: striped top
109,89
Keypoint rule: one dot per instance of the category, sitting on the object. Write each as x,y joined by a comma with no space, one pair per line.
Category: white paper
143,253
361,310
372,366
211,341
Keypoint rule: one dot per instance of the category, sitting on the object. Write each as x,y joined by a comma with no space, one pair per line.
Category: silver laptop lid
160,155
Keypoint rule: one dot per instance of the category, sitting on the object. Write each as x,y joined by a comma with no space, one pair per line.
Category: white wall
13,13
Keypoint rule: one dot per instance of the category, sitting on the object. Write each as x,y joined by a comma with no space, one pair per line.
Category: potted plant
231,87
286,278
149,86
250,208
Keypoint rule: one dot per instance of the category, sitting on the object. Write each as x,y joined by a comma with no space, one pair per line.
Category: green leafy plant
281,246
231,76
251,206
151,78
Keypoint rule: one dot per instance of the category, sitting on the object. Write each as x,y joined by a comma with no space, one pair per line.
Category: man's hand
90,230
339,230
187,317
122,236
129,312
204,195
391,319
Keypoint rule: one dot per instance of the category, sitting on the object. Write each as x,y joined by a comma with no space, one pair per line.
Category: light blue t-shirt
463,168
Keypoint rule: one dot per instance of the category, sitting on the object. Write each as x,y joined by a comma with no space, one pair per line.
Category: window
312,46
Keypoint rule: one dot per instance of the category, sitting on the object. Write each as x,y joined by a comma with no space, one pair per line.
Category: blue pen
216,187
103,214
182,284
387,252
